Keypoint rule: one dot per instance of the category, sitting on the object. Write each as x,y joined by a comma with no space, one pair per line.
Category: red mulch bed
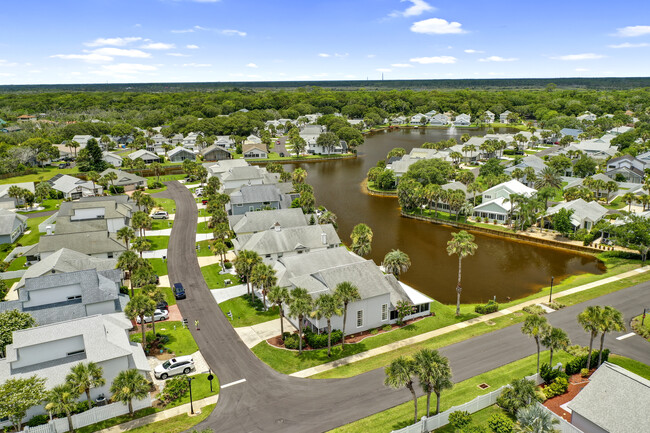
351,338
576,383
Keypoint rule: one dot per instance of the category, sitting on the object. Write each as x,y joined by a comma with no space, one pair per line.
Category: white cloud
418,7
123,70
178,55
90,58
632,31
340,55
197,65
471,51
384,70
120,52
231,32
117,42
583,56
192,47
434,59
158,46
497,59
226,32
629,45
437,26
371,56
402,65
323,55
252,65
4,63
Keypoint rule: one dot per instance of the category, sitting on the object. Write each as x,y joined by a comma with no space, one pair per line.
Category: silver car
160,215
174,366
158,315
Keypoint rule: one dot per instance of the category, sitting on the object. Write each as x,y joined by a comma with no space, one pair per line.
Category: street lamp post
189,381
551,294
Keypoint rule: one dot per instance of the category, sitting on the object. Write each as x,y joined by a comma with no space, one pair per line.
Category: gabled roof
623,158
227,165
9,221
4,189
582,210
96,242
248,147
144,154
256,194
290,239
179,149
243,173
111,155
304,264
124,177
67,184
252,222
213,148
533,161
513,186
95,286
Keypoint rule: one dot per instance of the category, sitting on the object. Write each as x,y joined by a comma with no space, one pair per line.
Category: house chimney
48,229
323,238
277,227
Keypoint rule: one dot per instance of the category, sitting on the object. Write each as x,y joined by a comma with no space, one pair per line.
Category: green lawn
116,420
200,389
11,282
167,204
177,424
49,204
203,249
479,419
402,415
44,173
33,236
158,242
617,203
245,313
215,280
203,228
159,266
181,341
636,367
169,296
157,224
17,264
373,187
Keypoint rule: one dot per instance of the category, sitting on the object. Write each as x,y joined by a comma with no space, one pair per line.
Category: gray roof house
503,117
112,158
253,222
10,202
224,166
180,154
215,152
533,161
95,213
73,187
236,177
12,225
278,242
585,214
614,401
100,244
463,120
128,180
631,168
54,298
439,119
251,198
49,351
145,155
255,150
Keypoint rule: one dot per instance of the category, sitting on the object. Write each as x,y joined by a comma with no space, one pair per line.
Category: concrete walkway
253,335
161,416
437,332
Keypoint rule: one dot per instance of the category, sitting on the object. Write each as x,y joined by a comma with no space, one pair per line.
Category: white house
587,116
112,158
180,154
109,213
100,243
255,150
82,140
585,214
496,203
503,117
145,155
238,176
463,120
7,202
73,187
439,119
12,225
488,117
418,119
631,168
129,181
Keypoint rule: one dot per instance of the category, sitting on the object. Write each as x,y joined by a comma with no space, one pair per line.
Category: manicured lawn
44,173
402,415
203,228
215,280
617,203
166,204
157,224
33,236
636,367
169,295
175,424
158,242
200,389
203,249
245,313
17,264
373,187
11,282
159,266
181,341
50,204
479,419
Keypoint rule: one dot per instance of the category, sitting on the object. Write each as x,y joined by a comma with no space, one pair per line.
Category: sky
132,41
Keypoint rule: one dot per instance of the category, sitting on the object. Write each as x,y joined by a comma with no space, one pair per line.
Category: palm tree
629,198
244,264
361,237
111,176
141,245
548,178
73,145
300,305
611,320
128,261
396,262
147,203
432,193
590,320
327,217
126,235
610,186
141,221
473,188
400,374
462,243
537,327
83,377
279,296
63,398
140,305
327,306
93,176
555,339
220,248
535,418
156,294
299,175
15,192
433,373
157,169
263,276
127,385
346,292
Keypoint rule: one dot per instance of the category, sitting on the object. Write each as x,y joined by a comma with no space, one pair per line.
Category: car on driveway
174,366
179,291
162,305
160,215
158,315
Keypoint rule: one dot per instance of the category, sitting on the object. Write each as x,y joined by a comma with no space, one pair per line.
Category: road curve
272,402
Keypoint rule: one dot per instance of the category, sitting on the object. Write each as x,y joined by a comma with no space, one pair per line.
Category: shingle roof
9,221
252,222
179,149
289,239
581,210
144,154
113,207
615,399
513,186
84,242
248,147
256,194
304,264
67,184
4,189
124,177
243,173
95,286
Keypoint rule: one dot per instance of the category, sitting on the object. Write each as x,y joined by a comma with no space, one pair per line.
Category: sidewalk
161,416
423,337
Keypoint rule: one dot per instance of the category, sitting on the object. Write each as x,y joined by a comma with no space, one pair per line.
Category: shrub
227,265
116,189
534,310
386,328
500,423
549,374
577,350
579,362
374,331
38,420
556,305
460,419
641,330
490,307
175,388
318,341
291,341
559,386
124,290
155,184
584,372
474,429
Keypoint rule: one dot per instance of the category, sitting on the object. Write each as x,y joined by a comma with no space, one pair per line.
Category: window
251,208
359,318
384,312
110,255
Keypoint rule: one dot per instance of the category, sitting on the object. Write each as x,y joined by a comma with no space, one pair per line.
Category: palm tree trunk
253,293
70,427
299,335
281,321
345,317
90,402
537,342
131,408
437,403
600,354
153,326
458,287
550,359
329,337
415,404
591,345
428,403
144,332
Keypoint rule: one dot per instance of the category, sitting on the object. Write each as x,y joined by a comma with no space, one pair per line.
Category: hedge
578,363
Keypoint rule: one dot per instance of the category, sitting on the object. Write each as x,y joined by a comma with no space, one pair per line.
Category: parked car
174,366
179,291
64,165
162,305
158,315
160,215
204,201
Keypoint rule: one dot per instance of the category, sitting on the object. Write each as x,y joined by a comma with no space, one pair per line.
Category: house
49,351
73,187
313,148
439,120
570,131
176,139
215,152
251,198
71,295
66,261
12,225
82,140
587,117
578,182
503,117
614,400
631,168
7,202
255,150
95,213
145,155
26,118
320,272
496,203
620,130
463,120
98,243
9,129
532,161
125,179
112,158
237,177
418,119
398,120
180,154
279,241
223,166
225,141
401,166
488,117
253,222
643,157
585,214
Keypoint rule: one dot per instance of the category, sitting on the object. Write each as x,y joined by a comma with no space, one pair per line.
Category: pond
501,268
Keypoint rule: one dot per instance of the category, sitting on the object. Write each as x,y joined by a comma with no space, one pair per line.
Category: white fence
92,416
442,419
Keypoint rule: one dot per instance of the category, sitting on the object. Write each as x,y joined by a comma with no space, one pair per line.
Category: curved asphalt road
269,401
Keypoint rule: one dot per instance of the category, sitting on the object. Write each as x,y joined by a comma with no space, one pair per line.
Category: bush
227,265
291,341
490,307
535,310
155,185
584,372
124,290
116,189
460,419
641,330
386,328
556,305
175,388
579,362
318,341
474,429
38,420
500,423
549,374
559,386
577,350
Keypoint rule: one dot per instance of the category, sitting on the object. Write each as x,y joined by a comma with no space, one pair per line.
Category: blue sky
98,41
